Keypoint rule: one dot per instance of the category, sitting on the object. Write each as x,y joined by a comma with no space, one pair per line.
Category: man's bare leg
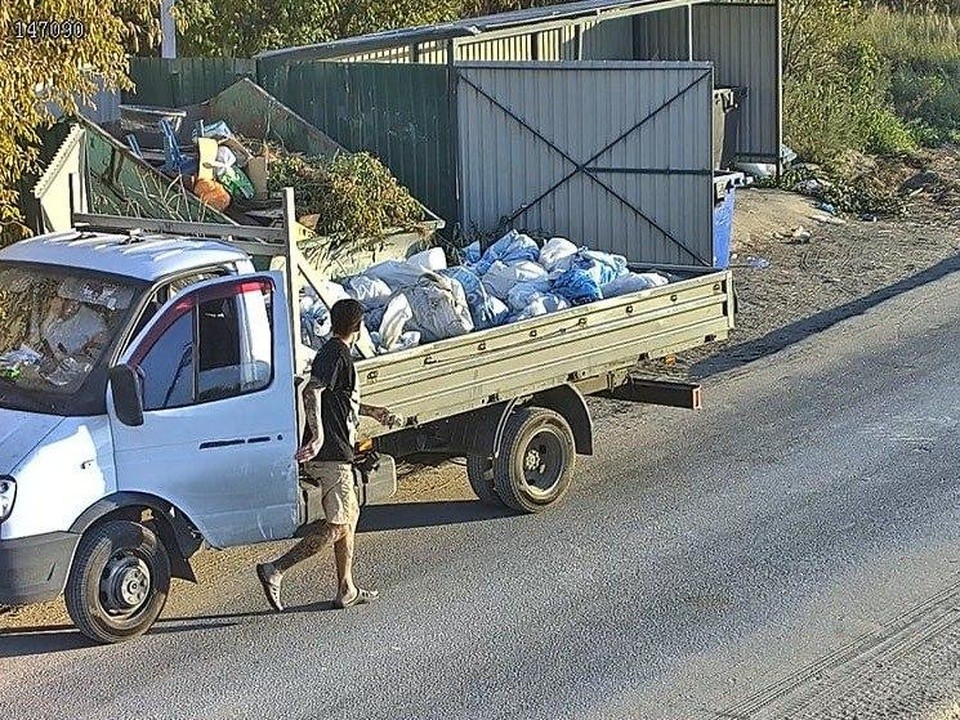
347,592
271,574
343,550
308,546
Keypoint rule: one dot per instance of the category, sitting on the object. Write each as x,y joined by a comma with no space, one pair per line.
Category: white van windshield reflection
55,328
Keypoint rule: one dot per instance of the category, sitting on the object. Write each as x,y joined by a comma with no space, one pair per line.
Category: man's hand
309,451
383,416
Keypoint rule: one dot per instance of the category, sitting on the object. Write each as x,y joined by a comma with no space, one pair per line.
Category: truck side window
221,347
169,290
168,372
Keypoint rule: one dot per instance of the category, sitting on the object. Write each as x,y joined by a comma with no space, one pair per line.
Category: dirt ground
790,285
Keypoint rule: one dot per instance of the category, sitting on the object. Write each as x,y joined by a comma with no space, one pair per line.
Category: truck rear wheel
119,581
535,465
480,475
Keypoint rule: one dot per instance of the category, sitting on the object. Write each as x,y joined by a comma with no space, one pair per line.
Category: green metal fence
401,114
184,81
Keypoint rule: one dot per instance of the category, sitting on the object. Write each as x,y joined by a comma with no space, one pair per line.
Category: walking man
332,406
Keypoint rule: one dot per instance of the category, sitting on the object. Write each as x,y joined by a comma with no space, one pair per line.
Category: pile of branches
351,196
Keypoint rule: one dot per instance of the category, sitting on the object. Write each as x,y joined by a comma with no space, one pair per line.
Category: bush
922,51
844,105
354,197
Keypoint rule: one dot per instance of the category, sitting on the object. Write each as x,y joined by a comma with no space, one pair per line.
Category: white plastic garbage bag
440,308
395,273
501,278
429,260
557,254
314,322
370,292
395,319
409,339
522,294
499,312
633,282
541,304
330,290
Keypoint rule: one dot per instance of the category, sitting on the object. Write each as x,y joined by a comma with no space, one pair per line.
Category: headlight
8,493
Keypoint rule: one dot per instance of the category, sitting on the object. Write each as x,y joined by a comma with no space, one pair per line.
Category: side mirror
126,395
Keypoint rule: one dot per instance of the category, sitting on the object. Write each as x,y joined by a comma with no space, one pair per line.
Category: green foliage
814,31
354,196
844,107
39,70
923,53
849,188
837,85
243,28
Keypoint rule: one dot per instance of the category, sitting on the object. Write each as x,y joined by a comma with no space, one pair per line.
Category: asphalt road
793,550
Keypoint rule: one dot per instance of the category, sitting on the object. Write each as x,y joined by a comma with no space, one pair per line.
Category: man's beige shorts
339,496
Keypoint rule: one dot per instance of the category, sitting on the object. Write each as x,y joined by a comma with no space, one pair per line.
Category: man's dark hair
346,316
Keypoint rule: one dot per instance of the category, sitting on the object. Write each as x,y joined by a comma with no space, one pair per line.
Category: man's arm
381,415
372,411
312,392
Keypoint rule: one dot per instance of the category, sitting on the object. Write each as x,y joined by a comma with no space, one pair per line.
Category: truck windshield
57,327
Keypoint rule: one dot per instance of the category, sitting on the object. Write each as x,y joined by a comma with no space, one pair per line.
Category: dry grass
902,37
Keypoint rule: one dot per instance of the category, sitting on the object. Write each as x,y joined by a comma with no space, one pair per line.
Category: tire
119,581
535,467
480,475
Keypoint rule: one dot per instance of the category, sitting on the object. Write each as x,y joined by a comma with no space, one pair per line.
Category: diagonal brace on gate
585,167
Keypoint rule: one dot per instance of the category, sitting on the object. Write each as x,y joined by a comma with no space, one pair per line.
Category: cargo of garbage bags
422,300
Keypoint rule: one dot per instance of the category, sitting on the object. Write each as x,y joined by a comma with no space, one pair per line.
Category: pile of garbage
423,300
221,171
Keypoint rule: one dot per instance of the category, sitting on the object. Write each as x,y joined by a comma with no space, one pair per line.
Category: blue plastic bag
603,267
471,253
511,248
484,313
578,287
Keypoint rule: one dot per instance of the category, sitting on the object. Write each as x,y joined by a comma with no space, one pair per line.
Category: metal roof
146,257
474,27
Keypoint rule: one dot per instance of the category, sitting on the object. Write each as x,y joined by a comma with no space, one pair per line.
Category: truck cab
147,405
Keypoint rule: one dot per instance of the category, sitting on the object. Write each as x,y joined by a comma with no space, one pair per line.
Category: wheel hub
542,463
532,459
126,583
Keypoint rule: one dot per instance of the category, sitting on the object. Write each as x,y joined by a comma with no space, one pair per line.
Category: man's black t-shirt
340,402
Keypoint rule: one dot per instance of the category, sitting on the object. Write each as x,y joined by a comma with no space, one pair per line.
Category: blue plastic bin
725,186
723,229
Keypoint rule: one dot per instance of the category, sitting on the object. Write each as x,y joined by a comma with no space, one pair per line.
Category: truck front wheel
119,581
535,466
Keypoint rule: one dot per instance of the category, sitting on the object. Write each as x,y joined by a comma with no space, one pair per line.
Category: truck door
218,437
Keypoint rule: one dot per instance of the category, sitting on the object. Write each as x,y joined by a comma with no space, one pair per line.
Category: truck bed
460,374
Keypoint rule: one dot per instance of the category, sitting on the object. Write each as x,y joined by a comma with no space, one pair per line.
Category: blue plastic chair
175,162
134,145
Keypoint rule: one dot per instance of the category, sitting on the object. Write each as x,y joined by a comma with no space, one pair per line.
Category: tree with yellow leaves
57,54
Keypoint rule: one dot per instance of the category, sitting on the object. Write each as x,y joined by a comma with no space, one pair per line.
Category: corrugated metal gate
743,43
617,156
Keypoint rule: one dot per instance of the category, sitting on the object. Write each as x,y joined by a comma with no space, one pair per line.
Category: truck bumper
34,569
